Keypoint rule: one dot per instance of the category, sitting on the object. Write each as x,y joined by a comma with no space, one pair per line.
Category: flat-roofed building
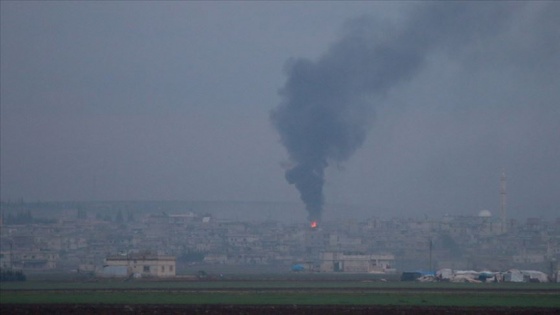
145,265
356,262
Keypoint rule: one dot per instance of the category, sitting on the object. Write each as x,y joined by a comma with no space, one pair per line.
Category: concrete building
356,262
34,260
139,264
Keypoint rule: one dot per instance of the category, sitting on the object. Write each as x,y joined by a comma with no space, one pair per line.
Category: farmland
277,295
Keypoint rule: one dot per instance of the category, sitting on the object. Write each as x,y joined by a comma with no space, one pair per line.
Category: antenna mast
503,201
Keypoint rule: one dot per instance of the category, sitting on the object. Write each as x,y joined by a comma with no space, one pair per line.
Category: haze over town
173,101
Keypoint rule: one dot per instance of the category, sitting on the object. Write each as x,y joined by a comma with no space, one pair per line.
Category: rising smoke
327,105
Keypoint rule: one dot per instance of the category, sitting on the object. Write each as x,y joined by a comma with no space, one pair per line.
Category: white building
351,262
145,265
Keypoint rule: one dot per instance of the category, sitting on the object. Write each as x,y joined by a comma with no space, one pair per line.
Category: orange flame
313,224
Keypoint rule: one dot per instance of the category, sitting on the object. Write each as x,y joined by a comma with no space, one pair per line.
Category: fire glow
313,224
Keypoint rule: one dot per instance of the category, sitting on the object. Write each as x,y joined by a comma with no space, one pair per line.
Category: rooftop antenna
503,201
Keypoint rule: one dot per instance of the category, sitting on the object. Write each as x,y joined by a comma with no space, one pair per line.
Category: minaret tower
503,217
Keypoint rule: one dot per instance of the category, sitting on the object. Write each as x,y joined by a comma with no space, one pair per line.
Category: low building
139,264
34,260
356,262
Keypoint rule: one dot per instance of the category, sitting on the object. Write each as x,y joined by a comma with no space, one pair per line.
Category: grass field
282,292
275,298
265,282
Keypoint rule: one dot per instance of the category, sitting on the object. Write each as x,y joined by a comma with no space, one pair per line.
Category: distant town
118,238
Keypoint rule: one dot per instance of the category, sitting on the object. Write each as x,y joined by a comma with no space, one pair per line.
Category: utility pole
431,246
11,255
503,202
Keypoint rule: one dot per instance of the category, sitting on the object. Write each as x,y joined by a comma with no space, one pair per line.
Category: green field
282,292
267,298
266,283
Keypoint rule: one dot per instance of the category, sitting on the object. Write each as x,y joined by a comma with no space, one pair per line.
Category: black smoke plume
327,104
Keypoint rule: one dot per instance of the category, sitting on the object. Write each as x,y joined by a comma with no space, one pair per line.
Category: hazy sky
172,101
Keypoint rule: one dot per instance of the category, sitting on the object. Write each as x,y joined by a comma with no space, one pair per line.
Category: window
171,268
162,268
146,268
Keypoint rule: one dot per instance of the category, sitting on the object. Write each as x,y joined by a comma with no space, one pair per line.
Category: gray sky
172,101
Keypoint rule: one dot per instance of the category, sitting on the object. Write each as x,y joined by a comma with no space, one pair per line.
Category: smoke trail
327,105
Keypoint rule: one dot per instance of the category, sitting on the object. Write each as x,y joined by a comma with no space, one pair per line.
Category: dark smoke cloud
328,104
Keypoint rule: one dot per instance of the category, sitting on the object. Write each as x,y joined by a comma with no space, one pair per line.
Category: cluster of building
163,244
